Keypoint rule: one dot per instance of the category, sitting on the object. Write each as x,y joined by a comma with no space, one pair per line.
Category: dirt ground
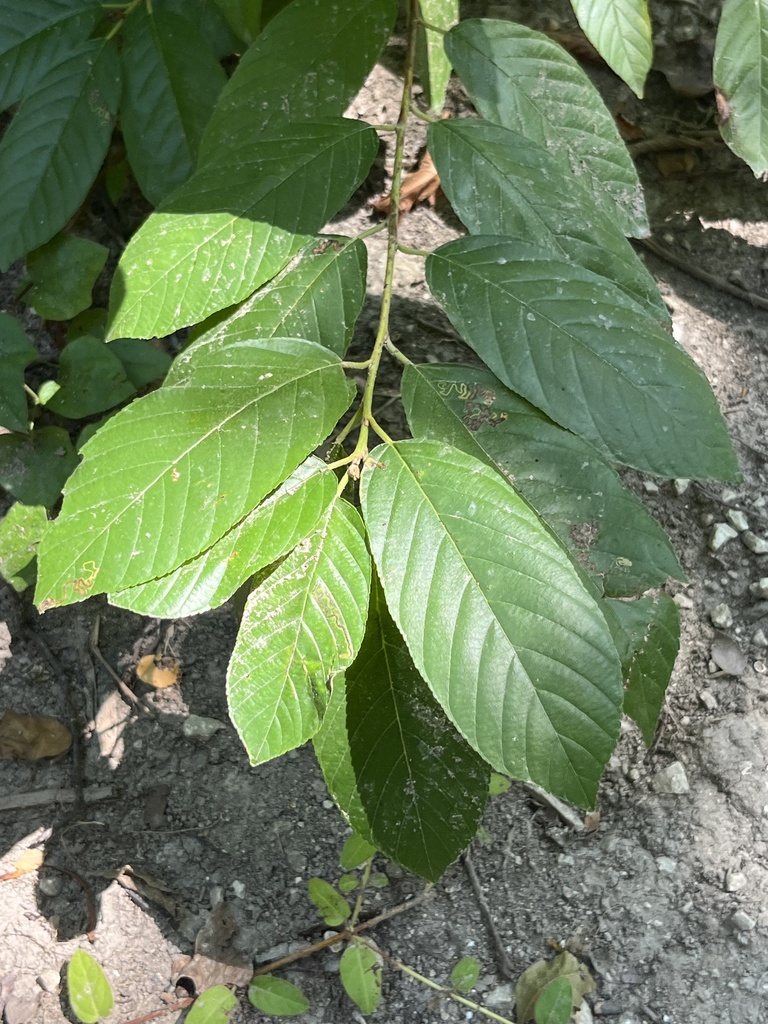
667,902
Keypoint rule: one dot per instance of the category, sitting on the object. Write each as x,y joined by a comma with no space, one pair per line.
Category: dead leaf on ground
538,976
419,186
29,860
159,671
216,961
32,737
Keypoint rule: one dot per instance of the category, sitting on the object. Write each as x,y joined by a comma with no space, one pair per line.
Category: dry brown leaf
678,164
216,960
419,186
29,860
159,671
32,737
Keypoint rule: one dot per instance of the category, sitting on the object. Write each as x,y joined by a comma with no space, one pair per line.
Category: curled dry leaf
419,186
158,671
31,737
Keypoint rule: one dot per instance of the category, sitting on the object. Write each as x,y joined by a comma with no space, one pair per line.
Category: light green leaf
308,63
620,31
333,908
91,379
571,344
191,461
278,997
555,1003
55,145
35,466
348,883
37,34
432,64
499,784
317,297
356,852
235,224
653,630
565,479
288,515
331,743
90,994
522,79
495,617
500,183
20,531
16,353
741,76
300,628
63,273
142,361
360,971
171,81
212,1006
465,974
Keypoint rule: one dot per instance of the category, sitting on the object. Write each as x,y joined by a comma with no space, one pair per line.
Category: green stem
361,893
409,250
372,231
395,351
127,11
423,115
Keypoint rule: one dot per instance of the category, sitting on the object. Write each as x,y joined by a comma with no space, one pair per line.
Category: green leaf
422,788
348,883
191,461
465,974
355,852
653,628
212,1006
171,81
360,971
499,784
308,63
432,64
300,628
20,531
90,994
317,297
235,224
571,344
331,743
620,31
503,64
34,36
142,361
91,378
209,22
16,353
565,479
535,980
500,183
288,515
333,908
495,617
63,273
55,145
35,467
278,997
741,76
243,17
555,1003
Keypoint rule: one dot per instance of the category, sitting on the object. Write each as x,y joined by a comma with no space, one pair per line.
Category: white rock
49,980
651,487
721,534
737,519
708,700
742,922
759,589
680,486
735,880
729,496
667,865
757,544
759,639
721,616
500,998
671,779
683,601
198,728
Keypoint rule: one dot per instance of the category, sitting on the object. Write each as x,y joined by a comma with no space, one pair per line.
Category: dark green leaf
243,17
90,994
465,974
356,852
308,63
34,467
360,971
191,461
209,22
16,353
524,80
55,145
142,361
555,1003
571,344
277,997
566,480
333,908
495,617
501,183
20,531
235,224
741,76
63,273
331,743
432,65
171,81
620,31
92,379
212,1006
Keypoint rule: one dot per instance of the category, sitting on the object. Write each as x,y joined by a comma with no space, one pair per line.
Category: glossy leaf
522,79
274,527
20,531
500,183
568,342
92,379
620,31
235,224
63,273
300,628
496,620
308,63
360,971
741,76
465,974
35,466
90,994
16,353
55,145
277,997
191,461
355,852
432,64
171,81
564,478
331,906
212,1006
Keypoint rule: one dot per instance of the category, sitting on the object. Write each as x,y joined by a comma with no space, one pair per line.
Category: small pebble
49,980
500,998
729,496
671,779
680,486
708,700
734,880
667,865
721,616
759,639
721,534
742,922
759,545
50,885
238,888
197,728
651,487
683,601
737,519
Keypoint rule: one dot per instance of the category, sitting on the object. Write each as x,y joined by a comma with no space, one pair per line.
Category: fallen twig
505,967
50,797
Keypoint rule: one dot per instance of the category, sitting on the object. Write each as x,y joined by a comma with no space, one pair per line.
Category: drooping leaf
653,628
433,67
63,273
287,516
212,1006
620,31
495,617
501,183
171,81
20,531
566,480
16,353
741,76
142,361
191,461
35,35
522,79
308,63
318,297
278,997
555,1003
360,971
235,224
572,345
55,145
92,379
332,906
465,974
355,852
539,976
35,466
300,628
90,994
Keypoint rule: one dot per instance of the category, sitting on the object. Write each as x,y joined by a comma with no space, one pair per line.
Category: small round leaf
90,994
278,997
464,975
361,976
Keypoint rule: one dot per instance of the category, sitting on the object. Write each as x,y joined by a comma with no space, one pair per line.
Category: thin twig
122,686
49,797
182,1004
505,967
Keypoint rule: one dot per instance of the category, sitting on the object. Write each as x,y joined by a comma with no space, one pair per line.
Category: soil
666,902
